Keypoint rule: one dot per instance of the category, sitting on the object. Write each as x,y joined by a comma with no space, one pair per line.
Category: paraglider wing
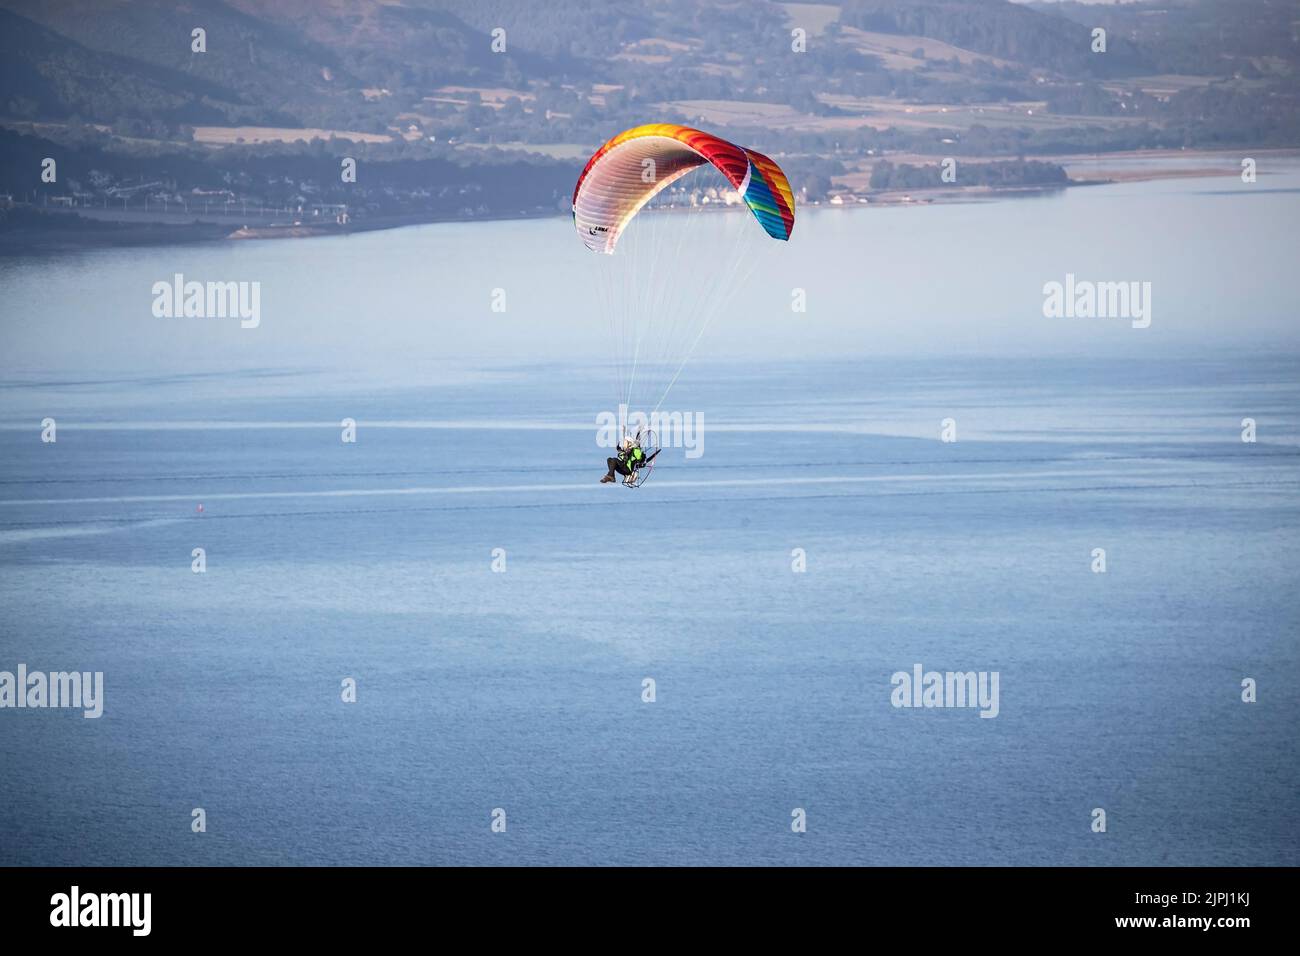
631,168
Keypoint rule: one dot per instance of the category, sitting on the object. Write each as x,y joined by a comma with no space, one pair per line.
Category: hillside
830,88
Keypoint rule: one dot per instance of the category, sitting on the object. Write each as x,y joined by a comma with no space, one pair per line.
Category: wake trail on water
15,533
538,488
1020,477
696,466
78,529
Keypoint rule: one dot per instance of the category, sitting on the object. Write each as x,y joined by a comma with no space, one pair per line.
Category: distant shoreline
1106,169
1084,169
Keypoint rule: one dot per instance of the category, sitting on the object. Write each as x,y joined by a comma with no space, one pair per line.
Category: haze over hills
415,88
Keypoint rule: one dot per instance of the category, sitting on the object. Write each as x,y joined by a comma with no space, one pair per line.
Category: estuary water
501,612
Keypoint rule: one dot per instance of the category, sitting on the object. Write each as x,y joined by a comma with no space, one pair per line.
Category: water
522,690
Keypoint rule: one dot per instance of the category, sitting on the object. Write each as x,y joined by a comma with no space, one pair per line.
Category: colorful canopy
631,168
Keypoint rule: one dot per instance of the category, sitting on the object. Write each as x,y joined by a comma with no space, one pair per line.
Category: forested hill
460,86
1036,38
364,65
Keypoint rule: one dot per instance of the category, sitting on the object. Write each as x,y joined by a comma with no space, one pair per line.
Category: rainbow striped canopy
631,168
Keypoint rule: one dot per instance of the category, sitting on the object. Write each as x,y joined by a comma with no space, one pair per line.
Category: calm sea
500,611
